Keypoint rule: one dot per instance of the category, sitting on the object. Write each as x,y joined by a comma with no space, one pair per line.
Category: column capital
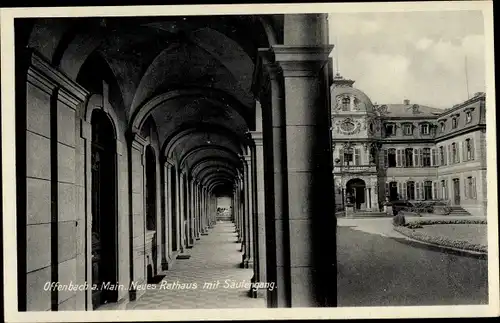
136,140
269,62
301,60
257,137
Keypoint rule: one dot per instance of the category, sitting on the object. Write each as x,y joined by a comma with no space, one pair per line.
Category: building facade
407,151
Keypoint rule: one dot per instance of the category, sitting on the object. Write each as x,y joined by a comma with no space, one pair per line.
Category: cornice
73,92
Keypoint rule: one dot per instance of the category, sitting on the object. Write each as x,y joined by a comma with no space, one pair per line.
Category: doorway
151,211
173,198
355,189
456,191
393,191
104,223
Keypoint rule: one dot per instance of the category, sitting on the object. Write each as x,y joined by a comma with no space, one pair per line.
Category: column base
166,264
183,256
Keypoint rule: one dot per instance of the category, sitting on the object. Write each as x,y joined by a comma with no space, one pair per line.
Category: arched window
346,103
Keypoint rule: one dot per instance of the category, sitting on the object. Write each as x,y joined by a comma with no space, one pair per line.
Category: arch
95,102
216,169
140,114
355,193
104,210
208,162
197,149
188,129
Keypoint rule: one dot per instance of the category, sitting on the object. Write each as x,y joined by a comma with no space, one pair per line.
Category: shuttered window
435,191
386,158
357,157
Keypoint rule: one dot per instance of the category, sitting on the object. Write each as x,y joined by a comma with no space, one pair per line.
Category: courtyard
374,269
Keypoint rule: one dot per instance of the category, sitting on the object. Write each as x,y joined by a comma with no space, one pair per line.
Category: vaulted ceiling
190,76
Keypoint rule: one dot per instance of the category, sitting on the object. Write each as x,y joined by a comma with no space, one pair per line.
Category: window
410,190
469,148
442,155
434,158
391,158
348,157
454,152
390,130
408,129
425,129
346,103
409,157
468,116
444,189
435,191
454,123
426,160
443,126
471,188
357,157
428,190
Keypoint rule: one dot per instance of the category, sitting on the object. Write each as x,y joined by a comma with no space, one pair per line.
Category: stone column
197,210
248,216
259,212
274,132
306,273
180,218
236,211
137,248
189,233
168,216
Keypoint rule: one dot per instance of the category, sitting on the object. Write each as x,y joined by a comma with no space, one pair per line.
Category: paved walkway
215,257
384,227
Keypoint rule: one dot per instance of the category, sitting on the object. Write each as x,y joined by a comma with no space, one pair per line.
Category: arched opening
185,207
173,190
150,189
355,192
150,197
104,201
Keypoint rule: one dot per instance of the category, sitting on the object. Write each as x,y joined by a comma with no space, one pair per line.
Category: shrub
441,241
413,225
399,220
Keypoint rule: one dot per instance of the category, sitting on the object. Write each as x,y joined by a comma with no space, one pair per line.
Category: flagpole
337,54
466,78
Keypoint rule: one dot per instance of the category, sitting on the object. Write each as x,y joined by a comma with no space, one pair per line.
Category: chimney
406,102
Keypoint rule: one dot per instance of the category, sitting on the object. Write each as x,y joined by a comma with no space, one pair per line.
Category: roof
407,110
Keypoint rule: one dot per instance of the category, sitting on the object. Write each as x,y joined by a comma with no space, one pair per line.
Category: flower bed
448,238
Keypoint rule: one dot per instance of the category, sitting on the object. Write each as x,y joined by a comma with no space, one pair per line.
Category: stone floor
375,269
216,257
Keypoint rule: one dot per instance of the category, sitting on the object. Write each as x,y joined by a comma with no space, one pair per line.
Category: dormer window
443,126
454,123
468,116
408,129
425,129
346,103
415,109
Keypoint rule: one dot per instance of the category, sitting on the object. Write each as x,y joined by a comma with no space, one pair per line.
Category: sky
420,56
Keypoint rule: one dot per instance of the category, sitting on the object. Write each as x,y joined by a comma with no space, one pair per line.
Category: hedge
443,241
455,221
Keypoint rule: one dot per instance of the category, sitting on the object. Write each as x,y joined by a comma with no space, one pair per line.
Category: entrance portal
456,191
104,198
355,188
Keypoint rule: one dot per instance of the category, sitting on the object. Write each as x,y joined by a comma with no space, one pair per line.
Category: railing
355,168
